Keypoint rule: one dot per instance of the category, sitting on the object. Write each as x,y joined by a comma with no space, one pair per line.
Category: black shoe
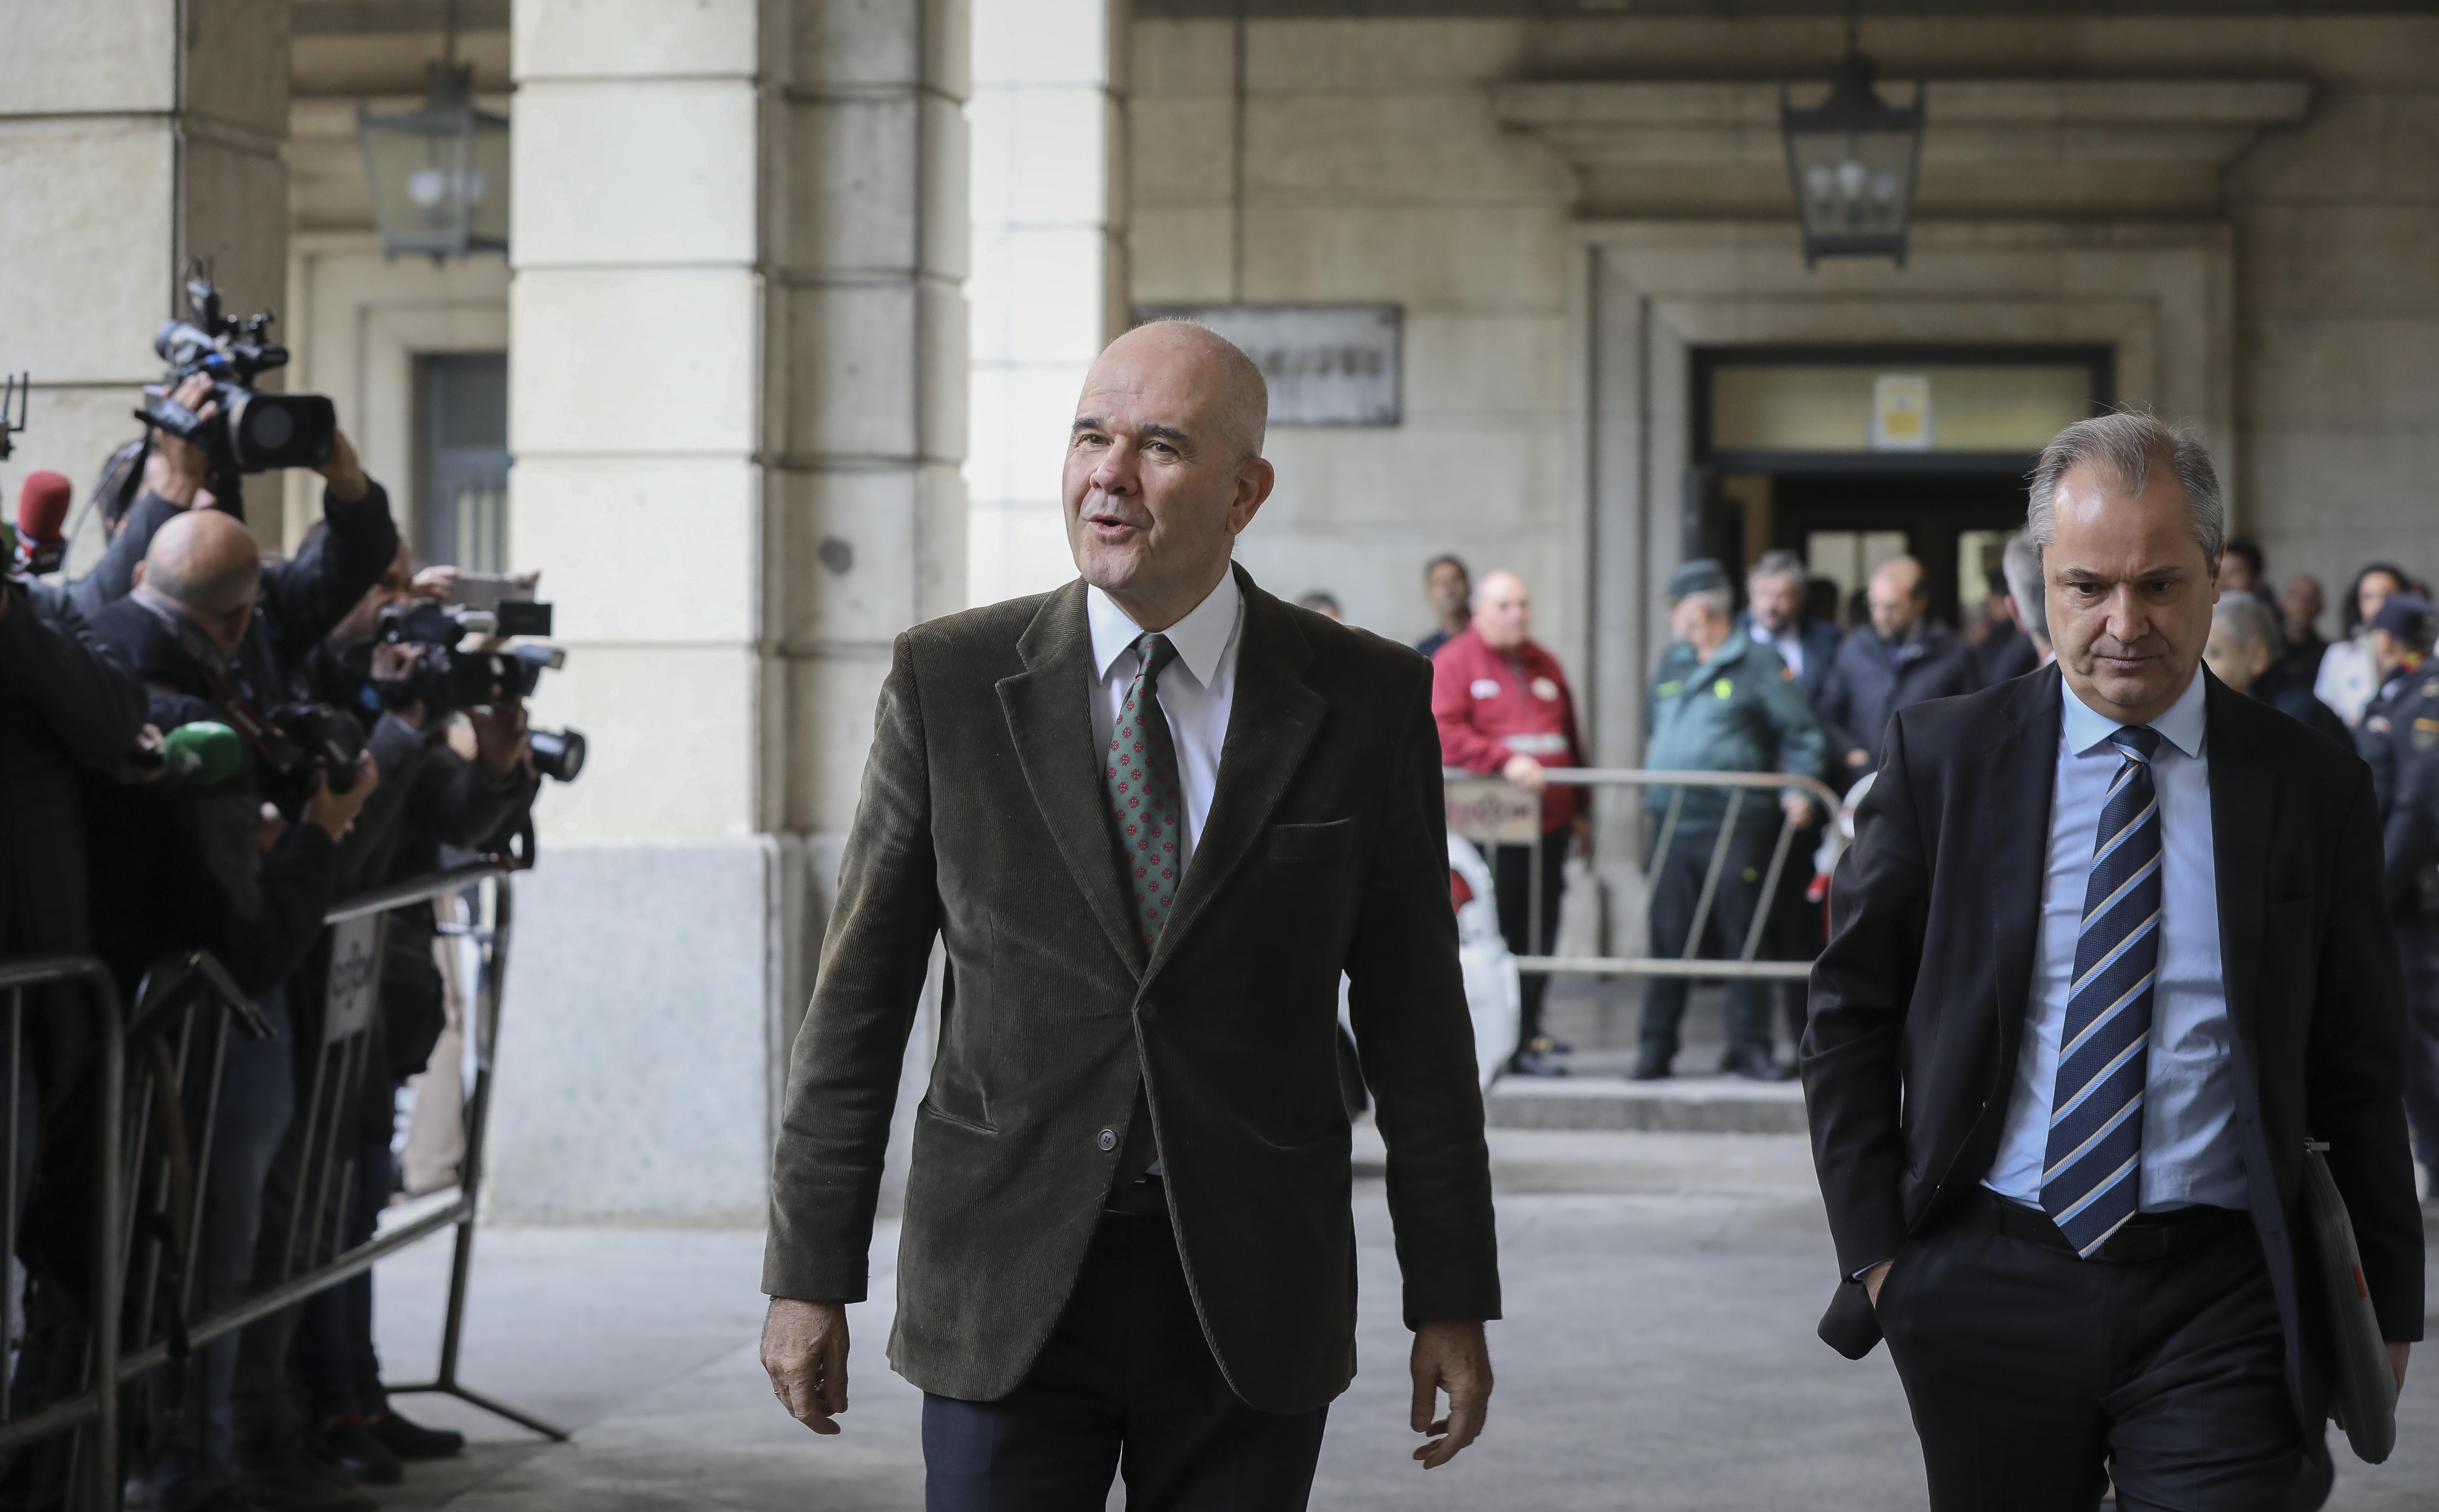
1751,1064
412,1441
1532,1062
1650,1068
352,1445
1549,1046
283,1476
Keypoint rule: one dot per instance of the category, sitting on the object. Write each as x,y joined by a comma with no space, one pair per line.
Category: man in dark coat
1151,817
2108,947
1900,659
2245,653
66,703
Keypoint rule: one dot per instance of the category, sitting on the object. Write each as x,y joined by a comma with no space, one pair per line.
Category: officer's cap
2411,618
1699,575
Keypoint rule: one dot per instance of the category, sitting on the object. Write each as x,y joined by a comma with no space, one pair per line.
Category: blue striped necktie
2092,1177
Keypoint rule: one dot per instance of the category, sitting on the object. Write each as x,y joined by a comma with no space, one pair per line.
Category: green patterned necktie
1141,780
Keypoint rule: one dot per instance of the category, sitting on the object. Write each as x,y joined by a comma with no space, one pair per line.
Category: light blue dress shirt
2189,1148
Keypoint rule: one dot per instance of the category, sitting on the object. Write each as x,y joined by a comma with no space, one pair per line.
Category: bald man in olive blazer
1110,1119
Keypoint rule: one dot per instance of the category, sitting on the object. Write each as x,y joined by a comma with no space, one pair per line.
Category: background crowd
1782,685
202,749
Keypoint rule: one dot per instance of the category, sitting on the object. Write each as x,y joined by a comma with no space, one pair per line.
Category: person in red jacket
1503,706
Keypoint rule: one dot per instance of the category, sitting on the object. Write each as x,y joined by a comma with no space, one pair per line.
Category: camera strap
267,739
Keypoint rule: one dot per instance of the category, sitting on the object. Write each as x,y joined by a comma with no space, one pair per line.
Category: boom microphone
41,509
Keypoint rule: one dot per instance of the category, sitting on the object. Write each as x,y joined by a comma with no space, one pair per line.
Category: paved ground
1658,1353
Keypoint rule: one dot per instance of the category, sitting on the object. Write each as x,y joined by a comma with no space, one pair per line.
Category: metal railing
152,1176
1492,810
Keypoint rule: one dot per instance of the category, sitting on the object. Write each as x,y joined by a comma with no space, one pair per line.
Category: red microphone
42,510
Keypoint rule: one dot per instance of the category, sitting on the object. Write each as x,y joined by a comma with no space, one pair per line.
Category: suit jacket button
1109,1139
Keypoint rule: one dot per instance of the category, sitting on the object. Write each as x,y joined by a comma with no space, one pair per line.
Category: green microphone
200,753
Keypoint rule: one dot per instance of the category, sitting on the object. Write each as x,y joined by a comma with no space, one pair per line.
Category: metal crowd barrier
151,1188
1493,812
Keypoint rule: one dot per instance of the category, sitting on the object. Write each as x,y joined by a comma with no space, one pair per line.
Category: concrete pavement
1658,1353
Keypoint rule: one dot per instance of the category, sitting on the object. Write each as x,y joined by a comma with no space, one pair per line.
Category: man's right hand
1525,772
1872,1279
333,813
1859,759
803,1349
174,469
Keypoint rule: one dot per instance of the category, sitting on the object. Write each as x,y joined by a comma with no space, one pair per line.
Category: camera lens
559,753
271,428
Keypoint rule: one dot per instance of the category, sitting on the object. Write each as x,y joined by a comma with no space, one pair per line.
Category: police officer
2399,736
1719,703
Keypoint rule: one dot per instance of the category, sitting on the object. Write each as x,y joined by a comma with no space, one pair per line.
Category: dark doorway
1950,523
463,415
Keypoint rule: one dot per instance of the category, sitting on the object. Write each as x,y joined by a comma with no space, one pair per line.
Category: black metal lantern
438,175
1853,162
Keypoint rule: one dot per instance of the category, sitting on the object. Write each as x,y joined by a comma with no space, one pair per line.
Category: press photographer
66,703
244,868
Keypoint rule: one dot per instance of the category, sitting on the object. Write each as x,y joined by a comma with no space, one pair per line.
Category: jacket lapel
1050,717
2023,781
1272,722
2243,793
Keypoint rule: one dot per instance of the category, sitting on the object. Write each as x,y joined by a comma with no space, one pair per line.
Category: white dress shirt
1196,690
1788,642
2189,1149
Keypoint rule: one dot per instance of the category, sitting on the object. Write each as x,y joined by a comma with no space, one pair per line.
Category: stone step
1683,1105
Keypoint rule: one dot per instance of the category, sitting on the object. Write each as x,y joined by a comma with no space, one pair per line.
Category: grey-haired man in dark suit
1151,817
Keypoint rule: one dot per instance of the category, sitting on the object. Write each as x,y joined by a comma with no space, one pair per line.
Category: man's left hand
1454,1357
1797,808
345,475
1583,827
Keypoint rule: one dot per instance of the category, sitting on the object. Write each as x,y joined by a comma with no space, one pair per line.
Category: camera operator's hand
395,663
333,813
345,475
175,468
143,764
501,740
436,583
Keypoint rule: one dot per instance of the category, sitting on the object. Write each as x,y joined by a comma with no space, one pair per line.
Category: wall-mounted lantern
1853,160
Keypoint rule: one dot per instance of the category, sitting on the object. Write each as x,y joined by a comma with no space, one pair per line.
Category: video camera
252,431
454,674
307,739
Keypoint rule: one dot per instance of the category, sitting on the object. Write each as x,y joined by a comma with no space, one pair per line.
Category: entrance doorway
1849,456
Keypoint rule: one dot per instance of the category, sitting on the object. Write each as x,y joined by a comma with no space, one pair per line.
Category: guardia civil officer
2400,738
1720,702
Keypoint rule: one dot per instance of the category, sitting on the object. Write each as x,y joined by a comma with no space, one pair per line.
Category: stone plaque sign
355,977
1492,811
1327,365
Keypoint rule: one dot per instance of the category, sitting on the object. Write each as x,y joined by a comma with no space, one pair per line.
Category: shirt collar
2181,727
1200,638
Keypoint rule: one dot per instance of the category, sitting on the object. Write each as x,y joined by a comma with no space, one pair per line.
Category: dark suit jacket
1864,689
1820,638
1918,1001
981,822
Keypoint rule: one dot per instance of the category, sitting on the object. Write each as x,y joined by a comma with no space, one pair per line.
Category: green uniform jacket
1741,711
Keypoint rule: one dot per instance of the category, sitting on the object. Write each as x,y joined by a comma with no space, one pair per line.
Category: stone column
129,144
1049,284
735,375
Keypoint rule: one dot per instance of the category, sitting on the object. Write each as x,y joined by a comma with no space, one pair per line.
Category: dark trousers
1675,882
1125,1386
1511,873
334,1327
2417,942
2036,1376
1797,928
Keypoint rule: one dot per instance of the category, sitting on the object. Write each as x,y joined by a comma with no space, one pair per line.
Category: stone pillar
129,144
737,370
1049,284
